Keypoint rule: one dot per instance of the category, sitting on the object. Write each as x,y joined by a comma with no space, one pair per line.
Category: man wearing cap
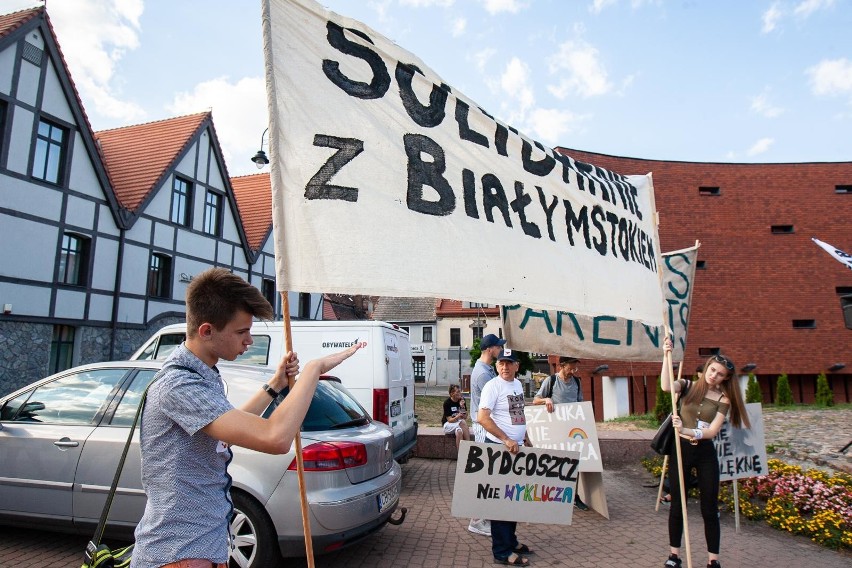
483,371
501,414
564,386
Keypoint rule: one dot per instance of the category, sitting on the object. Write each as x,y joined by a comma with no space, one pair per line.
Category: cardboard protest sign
742,451
605,336
534,485
370,146
570,427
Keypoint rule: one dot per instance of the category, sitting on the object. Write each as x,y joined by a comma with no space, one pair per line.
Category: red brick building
764,294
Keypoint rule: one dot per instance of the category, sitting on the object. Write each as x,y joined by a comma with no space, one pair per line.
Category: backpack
552,381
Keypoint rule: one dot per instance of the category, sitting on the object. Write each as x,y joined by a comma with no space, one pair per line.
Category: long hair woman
705,403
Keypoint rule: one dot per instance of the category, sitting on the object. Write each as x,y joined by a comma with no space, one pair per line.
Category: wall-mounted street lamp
749,367
260,158
837,367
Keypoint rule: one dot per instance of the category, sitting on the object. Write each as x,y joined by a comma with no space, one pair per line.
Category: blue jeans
503,538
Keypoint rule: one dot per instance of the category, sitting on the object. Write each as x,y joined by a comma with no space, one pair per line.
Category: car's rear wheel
255,541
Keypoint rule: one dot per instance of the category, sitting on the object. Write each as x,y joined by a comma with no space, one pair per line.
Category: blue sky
722,81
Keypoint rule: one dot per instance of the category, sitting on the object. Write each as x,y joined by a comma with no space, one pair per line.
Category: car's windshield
332,408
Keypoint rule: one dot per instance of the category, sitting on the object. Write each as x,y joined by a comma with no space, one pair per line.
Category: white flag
387,181
605,336
843,258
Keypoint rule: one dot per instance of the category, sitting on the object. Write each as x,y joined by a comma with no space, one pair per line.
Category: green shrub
753,392
824,394
784,396
664,403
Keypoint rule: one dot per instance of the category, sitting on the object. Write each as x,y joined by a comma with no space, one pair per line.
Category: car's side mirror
30,408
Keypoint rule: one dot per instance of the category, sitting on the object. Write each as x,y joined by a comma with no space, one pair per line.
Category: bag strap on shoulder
99,531
550,382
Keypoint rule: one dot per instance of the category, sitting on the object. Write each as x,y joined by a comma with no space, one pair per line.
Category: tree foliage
664,402
753,392
784,395
824,394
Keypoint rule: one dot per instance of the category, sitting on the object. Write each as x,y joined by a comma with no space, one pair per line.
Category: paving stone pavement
810,436
634,536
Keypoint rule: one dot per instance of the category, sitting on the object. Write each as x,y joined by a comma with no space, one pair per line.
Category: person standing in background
483,371
563,386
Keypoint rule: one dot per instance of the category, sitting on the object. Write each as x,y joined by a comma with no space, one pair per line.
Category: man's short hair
216,295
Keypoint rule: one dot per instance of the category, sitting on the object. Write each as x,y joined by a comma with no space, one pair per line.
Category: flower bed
810,503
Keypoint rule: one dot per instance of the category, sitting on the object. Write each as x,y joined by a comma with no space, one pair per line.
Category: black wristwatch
270,391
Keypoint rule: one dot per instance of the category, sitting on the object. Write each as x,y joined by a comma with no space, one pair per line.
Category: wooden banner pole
662,481
668,362
736,506
300,464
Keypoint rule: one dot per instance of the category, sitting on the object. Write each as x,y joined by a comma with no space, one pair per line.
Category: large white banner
606,336
374,156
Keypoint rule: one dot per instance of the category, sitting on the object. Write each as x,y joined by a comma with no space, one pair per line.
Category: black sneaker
580,505
673,562
714,564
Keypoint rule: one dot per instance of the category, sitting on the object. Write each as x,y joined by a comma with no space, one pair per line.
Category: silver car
61,439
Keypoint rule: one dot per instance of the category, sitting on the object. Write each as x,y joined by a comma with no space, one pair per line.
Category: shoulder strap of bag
99,531
550,382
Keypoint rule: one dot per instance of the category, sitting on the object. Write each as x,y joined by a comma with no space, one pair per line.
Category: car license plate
388,497
396,408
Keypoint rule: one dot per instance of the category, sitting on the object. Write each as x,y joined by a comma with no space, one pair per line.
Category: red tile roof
13,21
136,157
450,308
254,200
328,310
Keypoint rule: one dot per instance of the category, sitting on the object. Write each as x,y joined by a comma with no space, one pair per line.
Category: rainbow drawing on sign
578,434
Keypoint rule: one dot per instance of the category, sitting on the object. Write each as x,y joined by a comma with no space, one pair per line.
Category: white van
380,377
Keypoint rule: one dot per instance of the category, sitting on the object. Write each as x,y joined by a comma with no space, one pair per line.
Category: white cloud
804,9
808,7
771,17
94,37
831,77
381,9
551,125
598,5
239,113
458,26
496,6
515,82
764,107
481,58
760,147
580,71
426,3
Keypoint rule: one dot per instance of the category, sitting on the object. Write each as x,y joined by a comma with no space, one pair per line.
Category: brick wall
755,283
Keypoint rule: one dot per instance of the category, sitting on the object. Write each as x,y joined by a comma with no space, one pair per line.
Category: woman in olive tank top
704,406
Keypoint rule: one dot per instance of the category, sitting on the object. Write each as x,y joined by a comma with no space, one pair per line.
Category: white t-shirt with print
505,400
